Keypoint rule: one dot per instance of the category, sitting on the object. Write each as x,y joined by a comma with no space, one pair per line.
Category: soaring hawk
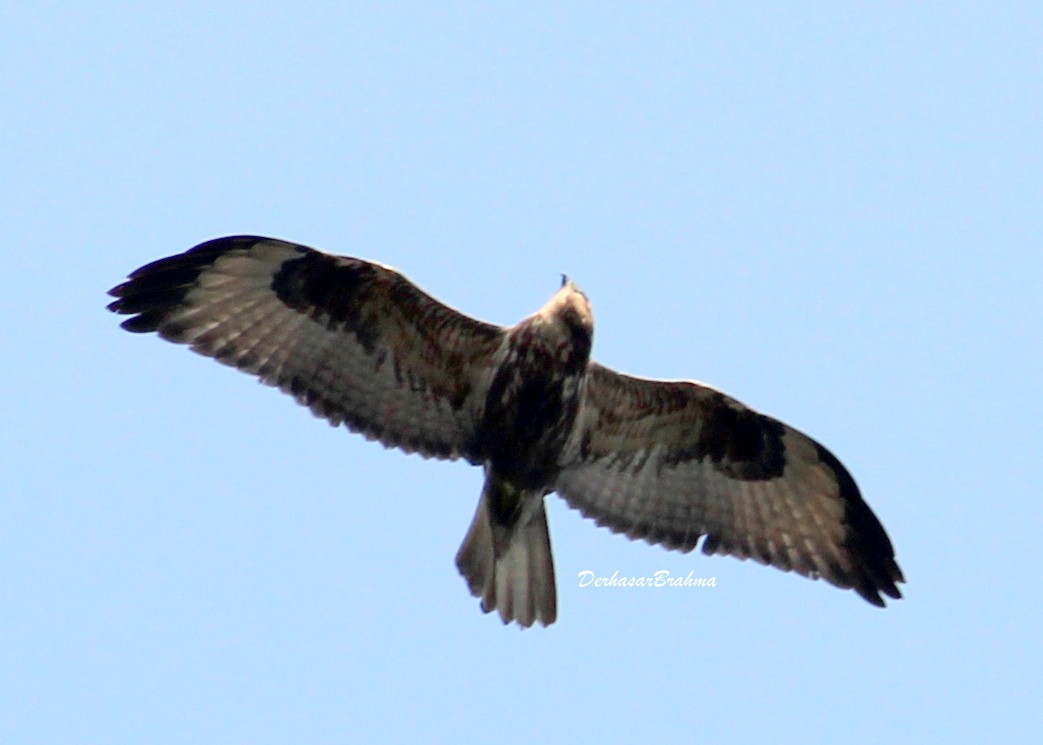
671,462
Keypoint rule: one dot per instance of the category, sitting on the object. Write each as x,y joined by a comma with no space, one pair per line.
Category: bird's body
530,411
669,462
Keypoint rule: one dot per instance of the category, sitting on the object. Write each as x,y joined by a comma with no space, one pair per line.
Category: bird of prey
670,462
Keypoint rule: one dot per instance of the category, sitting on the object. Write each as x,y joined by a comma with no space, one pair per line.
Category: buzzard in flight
671,462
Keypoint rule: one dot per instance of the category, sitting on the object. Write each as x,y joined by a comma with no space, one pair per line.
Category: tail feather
476,558
512,571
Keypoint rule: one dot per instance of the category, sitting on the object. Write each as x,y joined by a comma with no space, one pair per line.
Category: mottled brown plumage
669,462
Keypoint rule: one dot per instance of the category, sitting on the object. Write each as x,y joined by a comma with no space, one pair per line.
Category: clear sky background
832,211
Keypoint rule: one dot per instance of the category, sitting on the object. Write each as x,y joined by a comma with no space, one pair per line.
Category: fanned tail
510,569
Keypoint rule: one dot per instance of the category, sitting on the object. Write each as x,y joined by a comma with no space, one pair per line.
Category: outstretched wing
354,341
671,462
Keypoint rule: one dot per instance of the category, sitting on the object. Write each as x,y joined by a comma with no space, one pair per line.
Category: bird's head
570,308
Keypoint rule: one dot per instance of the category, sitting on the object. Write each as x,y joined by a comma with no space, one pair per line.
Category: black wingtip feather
144,300
868,542
144,322
154,290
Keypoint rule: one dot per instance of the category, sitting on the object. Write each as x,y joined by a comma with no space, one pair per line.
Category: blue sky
830,211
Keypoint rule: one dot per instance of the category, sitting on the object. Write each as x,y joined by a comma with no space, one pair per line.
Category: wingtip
872,592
